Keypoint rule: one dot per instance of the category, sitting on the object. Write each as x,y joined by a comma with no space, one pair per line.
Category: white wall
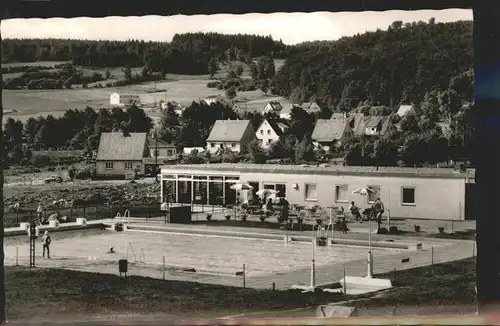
434,198
264,137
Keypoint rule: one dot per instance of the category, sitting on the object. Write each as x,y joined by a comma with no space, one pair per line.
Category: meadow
23,104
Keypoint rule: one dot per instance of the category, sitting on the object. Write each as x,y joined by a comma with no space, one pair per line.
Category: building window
311,192
279,187
341,193
269,132
109,166
212,145
408,196
269,141
169,152
128,166
373,195
233,145
261,132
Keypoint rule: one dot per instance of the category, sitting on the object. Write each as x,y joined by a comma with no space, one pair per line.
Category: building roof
404,110
362,122
275,105
113,146
405,172
328,130
161,143
276,126
338,115
228,130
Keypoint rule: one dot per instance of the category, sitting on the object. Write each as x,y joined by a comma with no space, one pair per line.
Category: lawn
66,293
447,284
56,292
180,88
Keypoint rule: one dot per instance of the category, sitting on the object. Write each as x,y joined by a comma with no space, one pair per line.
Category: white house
123,99
269,132
273,107
234,135
309,107
212,99
330,133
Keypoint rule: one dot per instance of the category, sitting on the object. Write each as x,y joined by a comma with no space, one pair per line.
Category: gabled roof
328,130
228,130
404,110
338,115
276,126
275,105
362,122
161,143
113,146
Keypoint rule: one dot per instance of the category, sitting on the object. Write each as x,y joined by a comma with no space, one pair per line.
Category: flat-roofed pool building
427,193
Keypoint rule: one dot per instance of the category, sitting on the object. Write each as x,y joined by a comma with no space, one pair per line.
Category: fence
13,216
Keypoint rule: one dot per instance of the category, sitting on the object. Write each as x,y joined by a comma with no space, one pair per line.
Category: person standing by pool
46,240
39,212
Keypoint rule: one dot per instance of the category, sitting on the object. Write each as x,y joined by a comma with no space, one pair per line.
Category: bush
416,227
41,161
441,229
214,84
83,174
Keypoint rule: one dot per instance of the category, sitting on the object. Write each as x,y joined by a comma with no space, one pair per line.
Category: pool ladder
140,257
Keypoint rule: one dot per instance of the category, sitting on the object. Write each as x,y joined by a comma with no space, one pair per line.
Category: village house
405,110
165,150
269,132
212,99
121,155
273,107
370,125
330,133
124,99
234,135
309,107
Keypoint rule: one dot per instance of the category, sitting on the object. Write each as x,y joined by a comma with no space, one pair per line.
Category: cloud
290,27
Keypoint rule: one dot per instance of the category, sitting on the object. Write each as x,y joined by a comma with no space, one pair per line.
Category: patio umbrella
264,193
241,186
363,191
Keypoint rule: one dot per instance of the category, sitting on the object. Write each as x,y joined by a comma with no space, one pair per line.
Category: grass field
66,293
55,292
23,104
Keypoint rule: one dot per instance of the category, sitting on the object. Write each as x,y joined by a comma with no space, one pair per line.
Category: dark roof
113,146
161,143
276,126
328,130
228,130
361,122
405,172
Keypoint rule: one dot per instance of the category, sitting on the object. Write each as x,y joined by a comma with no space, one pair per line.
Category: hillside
387,67
186,54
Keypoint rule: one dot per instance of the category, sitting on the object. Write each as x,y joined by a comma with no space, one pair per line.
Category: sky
291,28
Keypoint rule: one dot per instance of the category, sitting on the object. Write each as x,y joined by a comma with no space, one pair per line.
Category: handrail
143,256
133,251
126,215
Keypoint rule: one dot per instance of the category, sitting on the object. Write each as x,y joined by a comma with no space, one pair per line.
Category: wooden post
432,256
345,284
164,268
244,276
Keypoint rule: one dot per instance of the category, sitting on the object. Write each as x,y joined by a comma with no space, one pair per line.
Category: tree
255,153
107,74
231,92
212,67
238,70
127,72
304,152
144,72
254,70
169,124
284,147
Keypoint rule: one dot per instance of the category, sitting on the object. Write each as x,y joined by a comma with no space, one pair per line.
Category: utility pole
156,154
379,129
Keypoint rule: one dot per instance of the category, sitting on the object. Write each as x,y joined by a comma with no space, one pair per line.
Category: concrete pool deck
267,262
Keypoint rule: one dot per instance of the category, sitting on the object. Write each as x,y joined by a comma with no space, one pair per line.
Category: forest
398,65
186,54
